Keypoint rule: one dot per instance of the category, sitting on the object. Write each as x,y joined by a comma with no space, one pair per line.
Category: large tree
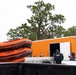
41,25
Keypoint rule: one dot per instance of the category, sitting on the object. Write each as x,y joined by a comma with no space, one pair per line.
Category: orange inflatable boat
15,50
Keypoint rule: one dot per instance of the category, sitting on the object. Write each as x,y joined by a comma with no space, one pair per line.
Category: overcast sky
13,13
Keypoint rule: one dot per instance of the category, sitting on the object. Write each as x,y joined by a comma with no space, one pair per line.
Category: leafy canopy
43,24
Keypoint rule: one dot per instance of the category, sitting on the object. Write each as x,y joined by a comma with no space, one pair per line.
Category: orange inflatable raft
15,50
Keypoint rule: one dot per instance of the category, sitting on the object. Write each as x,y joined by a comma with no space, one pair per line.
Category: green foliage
59,31
70,31
43,24
43,20
20,31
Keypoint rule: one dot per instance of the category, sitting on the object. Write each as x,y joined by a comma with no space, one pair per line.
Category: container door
65,49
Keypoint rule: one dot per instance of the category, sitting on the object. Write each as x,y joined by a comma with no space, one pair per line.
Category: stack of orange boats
15,50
